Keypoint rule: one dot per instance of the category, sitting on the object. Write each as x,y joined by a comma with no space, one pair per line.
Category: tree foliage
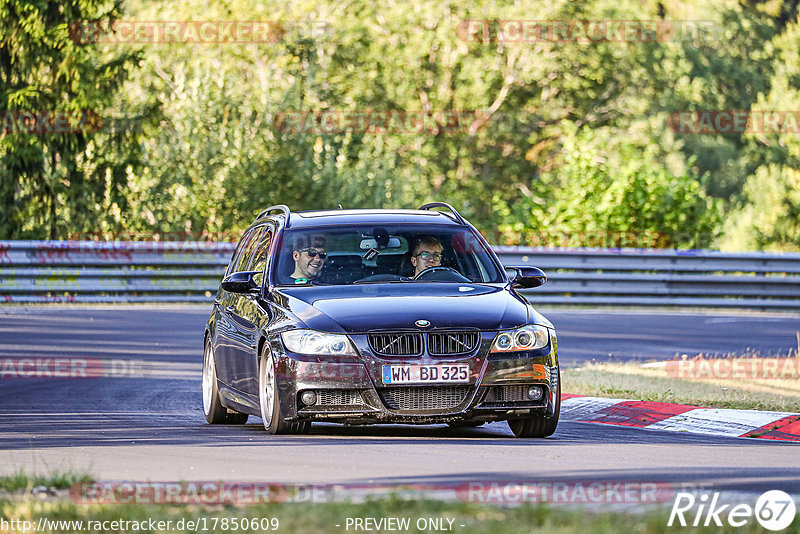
612,193
570,138
44,189
768,214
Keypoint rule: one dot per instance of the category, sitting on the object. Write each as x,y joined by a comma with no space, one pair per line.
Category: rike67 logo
774,510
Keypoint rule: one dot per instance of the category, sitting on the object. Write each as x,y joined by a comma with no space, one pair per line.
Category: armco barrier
111,271
640,277
190,271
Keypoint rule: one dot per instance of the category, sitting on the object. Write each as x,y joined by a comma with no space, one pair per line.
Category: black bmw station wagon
377,316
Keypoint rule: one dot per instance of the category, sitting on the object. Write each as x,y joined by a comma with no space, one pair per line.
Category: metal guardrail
111,271
114,271
640,277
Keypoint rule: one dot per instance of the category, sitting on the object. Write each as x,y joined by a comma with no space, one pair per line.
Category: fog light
309,397
535,393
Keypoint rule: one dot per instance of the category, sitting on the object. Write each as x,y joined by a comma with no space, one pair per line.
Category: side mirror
241,282
527,277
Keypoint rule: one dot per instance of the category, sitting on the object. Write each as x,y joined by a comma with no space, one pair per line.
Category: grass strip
21,481
654,383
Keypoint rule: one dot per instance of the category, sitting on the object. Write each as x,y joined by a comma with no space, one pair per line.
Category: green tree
613,193
42,187
768,216
209,156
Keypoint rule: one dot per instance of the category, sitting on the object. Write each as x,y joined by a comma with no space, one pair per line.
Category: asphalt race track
150,426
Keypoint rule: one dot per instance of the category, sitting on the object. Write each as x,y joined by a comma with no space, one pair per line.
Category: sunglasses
313,253
430,255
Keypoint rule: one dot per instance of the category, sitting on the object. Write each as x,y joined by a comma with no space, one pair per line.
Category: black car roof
313,219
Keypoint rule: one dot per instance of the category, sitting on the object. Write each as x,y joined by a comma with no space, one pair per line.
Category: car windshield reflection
380,255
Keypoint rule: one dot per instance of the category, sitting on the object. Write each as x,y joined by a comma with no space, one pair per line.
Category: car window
250,248
375,254
237,255
259,259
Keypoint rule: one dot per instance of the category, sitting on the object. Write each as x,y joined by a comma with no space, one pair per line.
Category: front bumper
350,389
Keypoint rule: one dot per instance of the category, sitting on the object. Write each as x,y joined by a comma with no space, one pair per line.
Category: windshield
371,254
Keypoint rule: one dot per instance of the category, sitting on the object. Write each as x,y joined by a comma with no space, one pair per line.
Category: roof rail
457,216
278,207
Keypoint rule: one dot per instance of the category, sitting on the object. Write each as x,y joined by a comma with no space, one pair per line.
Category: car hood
397,306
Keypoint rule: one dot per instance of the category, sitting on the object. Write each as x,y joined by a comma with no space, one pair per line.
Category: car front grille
396,344
410,343
508,394
447,343
424,397
339,397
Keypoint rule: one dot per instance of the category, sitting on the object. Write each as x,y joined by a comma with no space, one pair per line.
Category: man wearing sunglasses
308,260
427,253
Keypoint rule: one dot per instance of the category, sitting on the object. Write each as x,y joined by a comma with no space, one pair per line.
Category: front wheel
541,426
269,399
215,412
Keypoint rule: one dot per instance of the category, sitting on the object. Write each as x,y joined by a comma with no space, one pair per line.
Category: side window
249,249
468,250
261,253
237,256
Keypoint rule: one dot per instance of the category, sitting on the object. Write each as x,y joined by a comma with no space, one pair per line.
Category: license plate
425,374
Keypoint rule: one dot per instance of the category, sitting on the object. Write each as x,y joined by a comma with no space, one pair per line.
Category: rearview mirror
393,242
241,282
527,277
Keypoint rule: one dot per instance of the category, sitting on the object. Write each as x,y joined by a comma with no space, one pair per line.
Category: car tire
269,399
215,412
540,426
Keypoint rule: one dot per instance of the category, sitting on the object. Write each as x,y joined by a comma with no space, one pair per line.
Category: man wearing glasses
308,260
427,253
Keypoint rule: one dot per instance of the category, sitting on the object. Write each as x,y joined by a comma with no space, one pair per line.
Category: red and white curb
682,418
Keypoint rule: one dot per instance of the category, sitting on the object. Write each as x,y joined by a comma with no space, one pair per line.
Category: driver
426,254
309,258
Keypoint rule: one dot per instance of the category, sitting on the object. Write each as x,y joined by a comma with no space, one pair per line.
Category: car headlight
317,343
529,337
